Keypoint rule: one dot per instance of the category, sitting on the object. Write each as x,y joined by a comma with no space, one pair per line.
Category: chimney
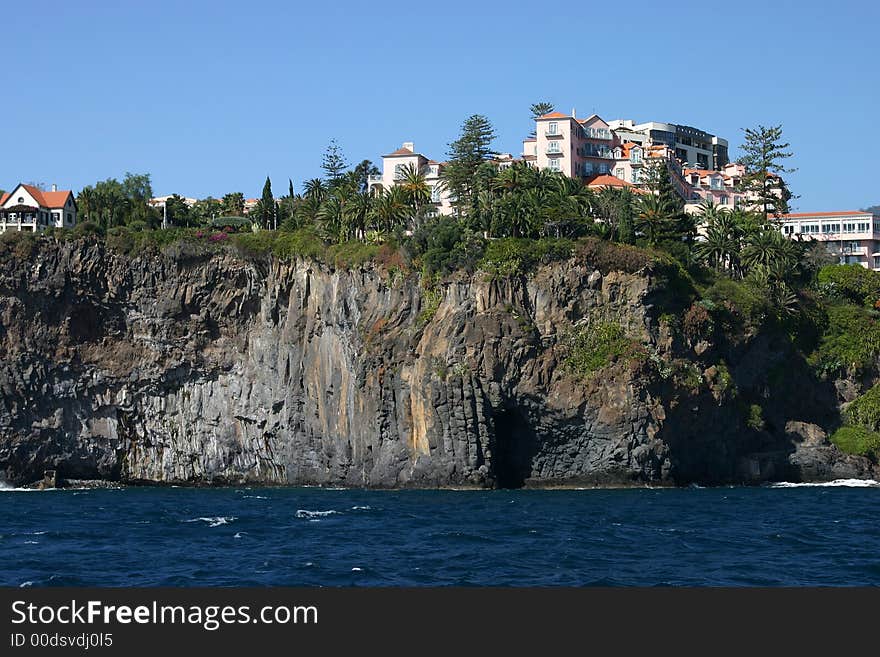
410,145
54,187
573,114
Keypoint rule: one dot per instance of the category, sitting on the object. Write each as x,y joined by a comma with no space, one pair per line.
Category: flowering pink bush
199,234
218,237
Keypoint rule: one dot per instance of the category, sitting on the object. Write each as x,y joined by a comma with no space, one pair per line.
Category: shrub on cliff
850,343
594,347
304,243
21,244
857,440
865,410
514,256
443,245
851,283
609,256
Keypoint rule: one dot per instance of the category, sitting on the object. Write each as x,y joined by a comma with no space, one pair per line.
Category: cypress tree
267,206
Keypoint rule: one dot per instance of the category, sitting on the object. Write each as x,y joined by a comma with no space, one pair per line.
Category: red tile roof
553,115
605,180
400,151
45,199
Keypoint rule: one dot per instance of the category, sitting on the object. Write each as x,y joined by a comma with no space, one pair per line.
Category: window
852,246
635,176
20,200
603,168
722,200
635,155
717,183
588,169
553,128
809,228
788,230
553,147
876,262
56,218
435,194
399,170
830,228
864,227
618,173
69,218
554,165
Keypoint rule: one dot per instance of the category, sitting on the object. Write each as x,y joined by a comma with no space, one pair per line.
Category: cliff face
188,367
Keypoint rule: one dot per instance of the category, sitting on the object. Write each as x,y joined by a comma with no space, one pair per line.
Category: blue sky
211,97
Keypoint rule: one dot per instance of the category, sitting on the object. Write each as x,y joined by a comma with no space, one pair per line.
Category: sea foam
305,513
837,483
215,521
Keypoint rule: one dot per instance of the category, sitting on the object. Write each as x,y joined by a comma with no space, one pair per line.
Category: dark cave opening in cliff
515,444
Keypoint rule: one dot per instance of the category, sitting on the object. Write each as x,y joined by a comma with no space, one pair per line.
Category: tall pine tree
763,157
333,162
466,154
538,110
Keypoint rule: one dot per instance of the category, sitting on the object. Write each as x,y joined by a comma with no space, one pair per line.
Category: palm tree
416,191
332,215
315,188
357,213
655,217
389,210
719,248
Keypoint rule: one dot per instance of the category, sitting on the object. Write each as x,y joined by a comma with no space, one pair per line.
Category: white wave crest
215,521
24,585
305,513
361,508
837,483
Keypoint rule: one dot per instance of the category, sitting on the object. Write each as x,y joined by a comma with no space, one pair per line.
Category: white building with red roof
30,209
395,165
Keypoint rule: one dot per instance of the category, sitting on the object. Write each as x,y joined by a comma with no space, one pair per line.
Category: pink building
578,148
852,236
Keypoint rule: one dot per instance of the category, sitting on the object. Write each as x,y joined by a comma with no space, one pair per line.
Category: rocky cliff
188,366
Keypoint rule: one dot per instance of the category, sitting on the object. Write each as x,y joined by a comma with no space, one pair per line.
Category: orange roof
45,199
843,213
553,115
605,180
400,151
529,139
55,199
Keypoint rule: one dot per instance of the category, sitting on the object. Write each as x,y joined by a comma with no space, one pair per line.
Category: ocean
784,535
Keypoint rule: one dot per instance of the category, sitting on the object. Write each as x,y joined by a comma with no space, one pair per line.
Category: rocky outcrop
185,366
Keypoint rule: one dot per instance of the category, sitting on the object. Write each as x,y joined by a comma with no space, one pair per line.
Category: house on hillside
29,209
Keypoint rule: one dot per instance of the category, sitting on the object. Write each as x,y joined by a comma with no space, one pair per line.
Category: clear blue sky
211,97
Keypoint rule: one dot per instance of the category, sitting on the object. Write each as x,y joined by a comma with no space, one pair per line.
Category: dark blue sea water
317,537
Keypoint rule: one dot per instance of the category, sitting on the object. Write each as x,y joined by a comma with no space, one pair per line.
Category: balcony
556,153
553,135
604,153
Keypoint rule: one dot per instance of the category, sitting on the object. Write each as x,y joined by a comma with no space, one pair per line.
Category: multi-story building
578,148
717,187
852,236
693,147
27,208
